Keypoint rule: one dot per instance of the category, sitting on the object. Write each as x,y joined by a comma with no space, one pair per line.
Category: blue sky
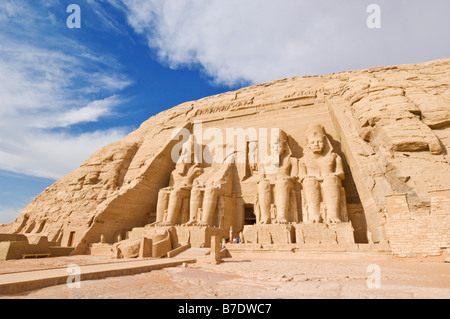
64,93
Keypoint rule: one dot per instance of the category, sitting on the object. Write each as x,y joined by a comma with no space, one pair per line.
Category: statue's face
180,167
184,156
279,146
276,147
316,143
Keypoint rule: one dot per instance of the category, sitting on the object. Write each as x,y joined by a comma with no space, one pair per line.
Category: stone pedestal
324,234
269,234
145,249
215,257
99,249
199,236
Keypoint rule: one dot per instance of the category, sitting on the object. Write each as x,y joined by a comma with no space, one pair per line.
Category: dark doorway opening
250,218
71,239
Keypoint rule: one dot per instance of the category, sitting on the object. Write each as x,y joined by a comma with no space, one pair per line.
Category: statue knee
332,181
211,191
177,193
284,184
310,183
264,189
196,192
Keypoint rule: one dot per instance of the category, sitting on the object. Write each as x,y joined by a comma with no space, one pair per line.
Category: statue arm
339,168
301,170
225,179
294,168
172,180
262,170
194,172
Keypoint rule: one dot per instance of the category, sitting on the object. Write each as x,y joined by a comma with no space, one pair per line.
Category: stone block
199,236
324,234
269,234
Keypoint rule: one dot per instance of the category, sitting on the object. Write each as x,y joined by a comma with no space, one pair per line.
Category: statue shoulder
195,170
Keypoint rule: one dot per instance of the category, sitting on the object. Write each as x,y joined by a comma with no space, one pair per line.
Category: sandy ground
307,276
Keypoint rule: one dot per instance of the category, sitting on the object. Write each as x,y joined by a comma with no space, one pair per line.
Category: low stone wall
16,246
17,249
421,232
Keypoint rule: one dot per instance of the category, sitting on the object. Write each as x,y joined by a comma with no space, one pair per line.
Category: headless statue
216,181
321,172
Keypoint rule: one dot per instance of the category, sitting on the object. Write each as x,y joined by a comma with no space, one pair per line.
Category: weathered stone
387,127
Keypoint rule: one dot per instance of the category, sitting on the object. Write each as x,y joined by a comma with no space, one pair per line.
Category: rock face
389,127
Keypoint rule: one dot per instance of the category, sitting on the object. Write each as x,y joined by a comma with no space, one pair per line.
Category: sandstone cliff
390,124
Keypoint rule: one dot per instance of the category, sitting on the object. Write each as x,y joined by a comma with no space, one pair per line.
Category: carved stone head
181,167
185,159
316,139
280,145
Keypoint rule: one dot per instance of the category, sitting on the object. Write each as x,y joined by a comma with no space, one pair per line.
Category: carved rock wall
393,122
390,125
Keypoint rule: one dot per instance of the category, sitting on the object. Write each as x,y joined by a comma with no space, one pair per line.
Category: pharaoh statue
321,174
276,185
170,199
216,181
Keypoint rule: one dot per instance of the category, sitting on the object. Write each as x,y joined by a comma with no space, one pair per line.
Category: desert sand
305,276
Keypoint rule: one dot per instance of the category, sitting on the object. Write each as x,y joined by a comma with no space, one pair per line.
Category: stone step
193,253
17,282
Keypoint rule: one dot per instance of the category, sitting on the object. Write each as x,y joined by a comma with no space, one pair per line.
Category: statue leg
311,189
265,200
163,202
282,200
175,201
332,193
209,206
195,204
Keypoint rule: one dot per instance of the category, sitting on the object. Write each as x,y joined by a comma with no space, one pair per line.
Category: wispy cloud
53,155
48,86
68,117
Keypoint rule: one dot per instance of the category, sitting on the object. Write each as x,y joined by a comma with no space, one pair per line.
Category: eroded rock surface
390,126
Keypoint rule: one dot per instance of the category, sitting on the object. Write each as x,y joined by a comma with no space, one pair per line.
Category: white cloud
45,90
263,40
8,9
53,155
89,113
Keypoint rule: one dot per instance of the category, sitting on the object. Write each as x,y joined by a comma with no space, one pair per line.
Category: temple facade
356,157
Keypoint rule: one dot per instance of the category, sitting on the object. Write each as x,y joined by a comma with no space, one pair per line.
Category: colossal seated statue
321,173
216,181
170,199
276,185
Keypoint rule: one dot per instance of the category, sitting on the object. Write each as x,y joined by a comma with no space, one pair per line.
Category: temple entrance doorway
250,217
